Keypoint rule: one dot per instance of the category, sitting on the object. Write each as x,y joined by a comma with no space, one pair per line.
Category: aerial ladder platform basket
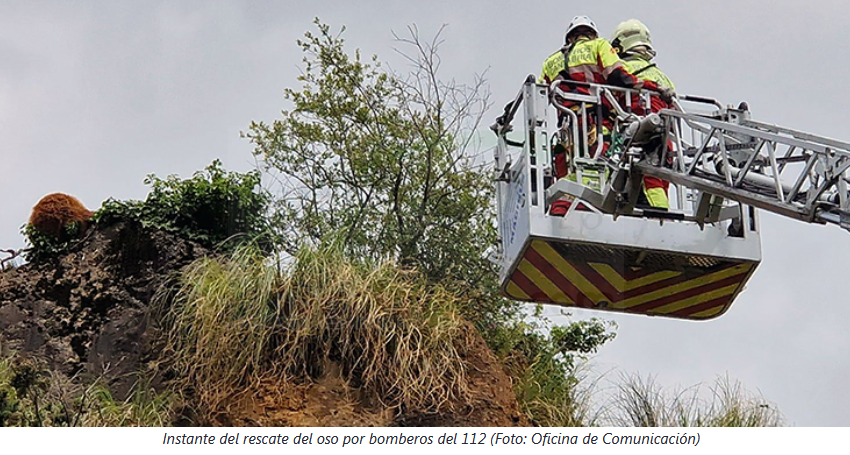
610,253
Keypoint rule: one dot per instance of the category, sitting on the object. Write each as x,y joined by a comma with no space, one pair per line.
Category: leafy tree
382,160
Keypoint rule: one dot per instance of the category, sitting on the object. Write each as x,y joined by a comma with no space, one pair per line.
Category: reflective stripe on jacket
654,188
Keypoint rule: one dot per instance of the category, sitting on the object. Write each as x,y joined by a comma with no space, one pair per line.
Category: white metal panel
514,225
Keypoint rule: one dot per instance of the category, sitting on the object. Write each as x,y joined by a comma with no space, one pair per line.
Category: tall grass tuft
641,402
145,407
391,332
393,336
222,320
736,407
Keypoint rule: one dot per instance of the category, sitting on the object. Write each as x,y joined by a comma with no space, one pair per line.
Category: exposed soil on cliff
329,401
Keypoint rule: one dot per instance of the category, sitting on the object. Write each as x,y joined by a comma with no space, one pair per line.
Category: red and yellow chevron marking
544,275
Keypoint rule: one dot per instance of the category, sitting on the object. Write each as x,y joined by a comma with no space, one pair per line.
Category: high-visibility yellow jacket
647,71
591,60
594,60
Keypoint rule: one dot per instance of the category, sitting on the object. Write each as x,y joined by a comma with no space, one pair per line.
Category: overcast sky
95,95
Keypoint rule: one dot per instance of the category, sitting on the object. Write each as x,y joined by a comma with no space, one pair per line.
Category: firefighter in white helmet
633,44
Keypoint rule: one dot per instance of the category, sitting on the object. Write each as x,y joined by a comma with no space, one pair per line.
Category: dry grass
395,338
733,406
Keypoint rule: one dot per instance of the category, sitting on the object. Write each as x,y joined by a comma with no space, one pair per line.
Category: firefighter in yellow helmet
633,43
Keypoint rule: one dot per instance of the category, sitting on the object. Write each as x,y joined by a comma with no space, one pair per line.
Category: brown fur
55,211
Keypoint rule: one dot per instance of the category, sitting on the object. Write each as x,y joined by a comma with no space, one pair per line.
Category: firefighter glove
666,94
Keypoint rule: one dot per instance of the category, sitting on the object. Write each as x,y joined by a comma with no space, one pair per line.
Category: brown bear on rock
55,211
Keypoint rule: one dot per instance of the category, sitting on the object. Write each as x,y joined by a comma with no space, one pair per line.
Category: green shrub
43,245
145,407
545,362
209,208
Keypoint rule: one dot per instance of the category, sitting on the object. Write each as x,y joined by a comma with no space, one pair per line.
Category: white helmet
581,21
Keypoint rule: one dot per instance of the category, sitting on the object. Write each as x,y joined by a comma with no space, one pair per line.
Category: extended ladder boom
789,172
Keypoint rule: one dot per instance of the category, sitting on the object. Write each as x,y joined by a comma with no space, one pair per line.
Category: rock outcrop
87,312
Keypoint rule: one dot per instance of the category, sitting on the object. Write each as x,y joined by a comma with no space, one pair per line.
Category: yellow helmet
631,34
